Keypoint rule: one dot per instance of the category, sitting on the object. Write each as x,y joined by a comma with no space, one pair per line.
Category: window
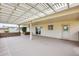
65,28
50,27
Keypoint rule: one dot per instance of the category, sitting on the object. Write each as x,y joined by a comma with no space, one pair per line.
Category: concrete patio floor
39,46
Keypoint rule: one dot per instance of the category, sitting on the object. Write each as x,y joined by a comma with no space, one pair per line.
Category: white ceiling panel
25,6
17,13
49,11
6,5
25,16
33,11
4,20
58,6
17,9
33,4
4,17
13,17
22,8
21,12
19,20
11,4
4,10
33,17
40,14
4,14
42,6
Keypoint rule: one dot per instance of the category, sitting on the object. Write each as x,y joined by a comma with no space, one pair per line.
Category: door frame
63,30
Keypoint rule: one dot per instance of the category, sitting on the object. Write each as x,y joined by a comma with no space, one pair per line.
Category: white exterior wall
49,33
72,34
54,34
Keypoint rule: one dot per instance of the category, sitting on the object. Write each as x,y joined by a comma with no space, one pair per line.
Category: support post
19,29
30,31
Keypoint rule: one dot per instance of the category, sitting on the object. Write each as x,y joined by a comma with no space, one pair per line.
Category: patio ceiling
17,13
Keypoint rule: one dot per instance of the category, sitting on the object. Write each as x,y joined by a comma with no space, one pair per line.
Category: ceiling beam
51,7
36,9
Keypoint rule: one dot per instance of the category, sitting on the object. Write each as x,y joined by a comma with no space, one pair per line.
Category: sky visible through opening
2,25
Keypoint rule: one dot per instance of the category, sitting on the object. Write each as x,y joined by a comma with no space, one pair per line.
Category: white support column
19,29
30,31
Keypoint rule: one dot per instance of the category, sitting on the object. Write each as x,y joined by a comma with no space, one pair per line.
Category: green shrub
24,29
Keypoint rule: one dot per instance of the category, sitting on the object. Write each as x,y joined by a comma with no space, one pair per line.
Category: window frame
50,27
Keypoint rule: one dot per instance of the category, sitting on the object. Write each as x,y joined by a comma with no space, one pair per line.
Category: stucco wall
57,32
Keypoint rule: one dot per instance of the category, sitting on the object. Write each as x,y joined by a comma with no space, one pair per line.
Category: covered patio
39,46
49,25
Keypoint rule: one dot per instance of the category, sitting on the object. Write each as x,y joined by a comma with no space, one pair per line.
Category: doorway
65,31
38,30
